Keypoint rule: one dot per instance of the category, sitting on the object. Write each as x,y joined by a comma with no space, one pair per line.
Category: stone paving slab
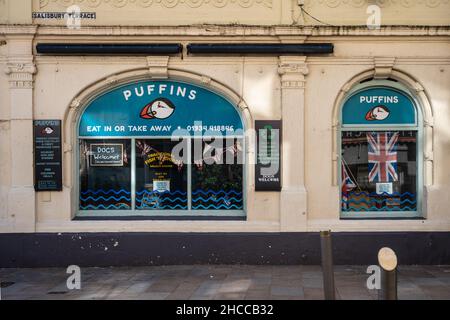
217,282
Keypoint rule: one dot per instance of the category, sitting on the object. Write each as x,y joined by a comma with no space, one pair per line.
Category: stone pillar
293,198
20,69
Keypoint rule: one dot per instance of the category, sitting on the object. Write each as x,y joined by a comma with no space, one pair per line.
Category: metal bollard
388,267
327,265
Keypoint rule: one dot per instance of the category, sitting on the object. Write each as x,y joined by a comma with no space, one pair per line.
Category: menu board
268,164
47,155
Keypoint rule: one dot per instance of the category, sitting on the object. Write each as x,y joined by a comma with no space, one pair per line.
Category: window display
161,181
137,152
379,171
380,167
217,177
105,174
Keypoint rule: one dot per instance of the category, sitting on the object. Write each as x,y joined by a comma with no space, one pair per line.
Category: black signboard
106,155
47,155
268,155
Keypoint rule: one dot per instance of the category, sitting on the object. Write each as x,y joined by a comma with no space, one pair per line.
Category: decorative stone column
293,198
20,69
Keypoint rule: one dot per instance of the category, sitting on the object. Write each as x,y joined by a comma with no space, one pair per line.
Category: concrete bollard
387,261
327,265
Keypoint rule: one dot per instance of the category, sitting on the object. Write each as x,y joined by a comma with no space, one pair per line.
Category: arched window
160,148
381,142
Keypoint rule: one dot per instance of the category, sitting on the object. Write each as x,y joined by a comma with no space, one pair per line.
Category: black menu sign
268,164
47,155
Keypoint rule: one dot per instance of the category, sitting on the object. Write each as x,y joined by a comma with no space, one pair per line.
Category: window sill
383,218
163,218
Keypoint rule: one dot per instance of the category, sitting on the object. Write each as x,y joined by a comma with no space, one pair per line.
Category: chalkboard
47,155
106,155
268,164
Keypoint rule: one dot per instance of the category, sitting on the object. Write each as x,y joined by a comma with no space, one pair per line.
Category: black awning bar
109,49
260,48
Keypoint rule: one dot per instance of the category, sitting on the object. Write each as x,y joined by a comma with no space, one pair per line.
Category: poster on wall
268,155
47,155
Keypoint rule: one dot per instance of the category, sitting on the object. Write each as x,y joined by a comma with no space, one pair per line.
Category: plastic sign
268,164
384,188
47,155
159,108
379,106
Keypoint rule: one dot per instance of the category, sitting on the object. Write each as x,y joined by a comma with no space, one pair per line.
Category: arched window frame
397,86
78,106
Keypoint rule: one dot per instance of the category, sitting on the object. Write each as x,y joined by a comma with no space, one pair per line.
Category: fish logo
47,130
160,108
378,113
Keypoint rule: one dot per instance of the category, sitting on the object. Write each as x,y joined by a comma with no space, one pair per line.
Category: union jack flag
382,154
347,182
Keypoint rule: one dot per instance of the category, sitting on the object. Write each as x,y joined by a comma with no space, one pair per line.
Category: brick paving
209,282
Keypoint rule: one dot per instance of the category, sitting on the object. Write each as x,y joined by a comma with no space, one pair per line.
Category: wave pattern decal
217,200
152,200
384,194
365,201
388,209
105,192
105,199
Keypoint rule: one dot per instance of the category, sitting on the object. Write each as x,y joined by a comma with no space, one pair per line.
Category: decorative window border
91,92
416,92
413,127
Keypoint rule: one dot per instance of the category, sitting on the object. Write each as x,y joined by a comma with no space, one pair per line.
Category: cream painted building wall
302,91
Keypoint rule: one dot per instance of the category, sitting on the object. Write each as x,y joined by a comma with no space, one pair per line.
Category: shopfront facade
364,133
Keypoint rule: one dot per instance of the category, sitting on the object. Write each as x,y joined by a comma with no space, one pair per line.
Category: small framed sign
106,155
47,155
161,185
268,155
384,187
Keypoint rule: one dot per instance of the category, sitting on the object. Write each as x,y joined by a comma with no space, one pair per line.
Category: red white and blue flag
347,182
382,154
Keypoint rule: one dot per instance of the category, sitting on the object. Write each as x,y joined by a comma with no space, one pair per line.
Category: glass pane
217,174
379,171
105,174
161,180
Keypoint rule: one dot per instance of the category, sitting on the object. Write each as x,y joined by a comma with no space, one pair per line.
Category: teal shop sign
379,106
159,108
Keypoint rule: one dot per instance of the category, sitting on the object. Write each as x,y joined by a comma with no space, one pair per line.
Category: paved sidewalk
217,282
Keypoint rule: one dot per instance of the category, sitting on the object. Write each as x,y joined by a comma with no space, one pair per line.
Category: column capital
292,71
20,72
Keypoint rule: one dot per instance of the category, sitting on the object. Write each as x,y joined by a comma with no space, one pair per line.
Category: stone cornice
229,31
18,30
164,3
